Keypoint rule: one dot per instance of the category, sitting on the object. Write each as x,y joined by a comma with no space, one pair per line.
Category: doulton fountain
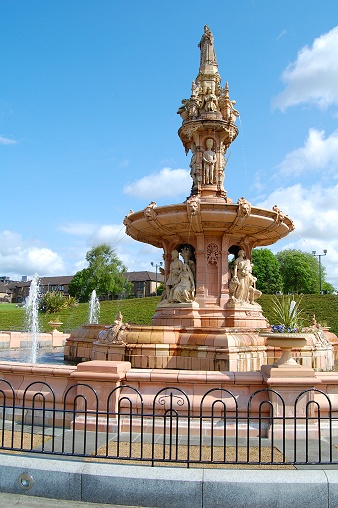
208,334
208,317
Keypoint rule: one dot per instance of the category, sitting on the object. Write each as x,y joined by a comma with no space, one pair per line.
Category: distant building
5,293
5,279
20,290
143,283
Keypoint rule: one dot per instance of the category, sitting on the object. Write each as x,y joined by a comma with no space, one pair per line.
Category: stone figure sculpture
228,110
176,267
242,285
233,112
113,334
280,215
209,101
209,161
184,290
192,108
194,89
206,45
193,166
188,256
220,172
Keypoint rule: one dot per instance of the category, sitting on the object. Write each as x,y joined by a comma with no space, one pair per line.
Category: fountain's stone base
196,349
23,340
182,315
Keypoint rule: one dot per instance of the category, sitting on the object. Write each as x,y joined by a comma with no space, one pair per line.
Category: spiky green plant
287,314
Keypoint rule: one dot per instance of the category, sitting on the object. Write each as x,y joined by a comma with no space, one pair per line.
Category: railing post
102,377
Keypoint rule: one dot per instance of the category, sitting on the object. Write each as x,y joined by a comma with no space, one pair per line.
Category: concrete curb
165,487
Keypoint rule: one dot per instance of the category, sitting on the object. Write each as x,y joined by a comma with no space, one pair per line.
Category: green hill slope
140,311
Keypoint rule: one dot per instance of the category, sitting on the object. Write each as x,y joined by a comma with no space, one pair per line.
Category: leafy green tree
327,287
267,270
104,274
299,271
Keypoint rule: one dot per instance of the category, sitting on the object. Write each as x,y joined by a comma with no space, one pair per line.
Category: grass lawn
141,310
135,311
4,307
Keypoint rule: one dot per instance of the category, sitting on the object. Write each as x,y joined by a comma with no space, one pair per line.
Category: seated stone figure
242,285
184,290
176,267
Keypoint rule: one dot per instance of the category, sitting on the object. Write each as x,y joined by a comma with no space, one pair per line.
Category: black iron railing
166,429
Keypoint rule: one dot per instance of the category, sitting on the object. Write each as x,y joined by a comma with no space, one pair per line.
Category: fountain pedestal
286,342
286,380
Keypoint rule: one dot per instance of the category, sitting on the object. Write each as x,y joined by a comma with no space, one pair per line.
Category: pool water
44,355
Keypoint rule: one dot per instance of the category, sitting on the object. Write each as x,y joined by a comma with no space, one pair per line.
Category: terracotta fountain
208,325
208,318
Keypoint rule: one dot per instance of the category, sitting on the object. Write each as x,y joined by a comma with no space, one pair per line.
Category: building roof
4,288
45,281
143,276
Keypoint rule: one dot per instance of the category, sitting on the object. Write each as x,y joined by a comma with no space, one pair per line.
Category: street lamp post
156,266
319,256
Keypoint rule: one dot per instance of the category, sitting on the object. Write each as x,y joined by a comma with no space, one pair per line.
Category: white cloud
315,214
7,141
19,258
313,77
166,183
317,154
93,234
108,233
79,228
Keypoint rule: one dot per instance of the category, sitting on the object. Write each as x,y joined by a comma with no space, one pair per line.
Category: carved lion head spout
193,205
244,207
149,211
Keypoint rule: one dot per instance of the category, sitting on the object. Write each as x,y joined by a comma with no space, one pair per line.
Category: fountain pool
48,356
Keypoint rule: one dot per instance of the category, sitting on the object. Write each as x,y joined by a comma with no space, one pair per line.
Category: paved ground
24,501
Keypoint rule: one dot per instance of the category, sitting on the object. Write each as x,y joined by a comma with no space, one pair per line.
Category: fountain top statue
208,126
206,45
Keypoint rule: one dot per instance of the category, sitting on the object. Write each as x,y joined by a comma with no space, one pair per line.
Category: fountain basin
197,349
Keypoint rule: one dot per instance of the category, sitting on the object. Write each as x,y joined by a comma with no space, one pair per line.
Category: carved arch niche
233,254
187,252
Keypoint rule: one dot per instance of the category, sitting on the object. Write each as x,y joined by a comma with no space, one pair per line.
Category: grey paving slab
79,442
50,478
151,487
265,488
311,450
27,501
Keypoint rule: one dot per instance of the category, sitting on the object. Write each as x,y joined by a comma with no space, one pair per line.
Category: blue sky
89,92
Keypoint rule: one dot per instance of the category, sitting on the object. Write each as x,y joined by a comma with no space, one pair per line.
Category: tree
299,271
104,274
327,287
267,270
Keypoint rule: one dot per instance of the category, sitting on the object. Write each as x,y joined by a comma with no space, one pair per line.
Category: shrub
54,301
287,314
